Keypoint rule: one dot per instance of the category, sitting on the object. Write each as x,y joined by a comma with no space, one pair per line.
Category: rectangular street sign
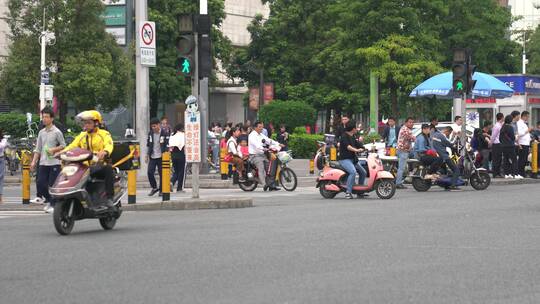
119,34
45,77
114,15
148,57
193,137
114,2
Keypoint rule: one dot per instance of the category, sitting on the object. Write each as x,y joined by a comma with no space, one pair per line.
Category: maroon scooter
79,196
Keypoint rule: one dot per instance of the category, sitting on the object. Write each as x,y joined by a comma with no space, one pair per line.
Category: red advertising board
268,92
481,100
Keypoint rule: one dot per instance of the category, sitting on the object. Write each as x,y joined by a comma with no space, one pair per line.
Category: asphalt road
434,247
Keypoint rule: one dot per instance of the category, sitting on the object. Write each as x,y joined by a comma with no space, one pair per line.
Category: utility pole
142,92
203,99
45,90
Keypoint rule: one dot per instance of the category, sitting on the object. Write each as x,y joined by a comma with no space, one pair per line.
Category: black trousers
152,165
433,162
104,172
179,165
45,179
455,170
523,155
510,160
496,156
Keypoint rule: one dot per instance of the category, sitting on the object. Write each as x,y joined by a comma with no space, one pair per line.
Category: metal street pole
195,92
373,102
142,90
203,102
261,91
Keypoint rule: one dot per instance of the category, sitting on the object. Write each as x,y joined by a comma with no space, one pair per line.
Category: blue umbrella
441,86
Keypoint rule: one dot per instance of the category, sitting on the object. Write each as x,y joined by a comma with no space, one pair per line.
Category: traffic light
459,71
470,81
185,64
205,57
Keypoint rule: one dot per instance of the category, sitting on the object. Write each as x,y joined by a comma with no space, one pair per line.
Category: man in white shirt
456,128
258,157
523,141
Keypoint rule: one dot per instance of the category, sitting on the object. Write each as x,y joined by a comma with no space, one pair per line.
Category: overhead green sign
114,15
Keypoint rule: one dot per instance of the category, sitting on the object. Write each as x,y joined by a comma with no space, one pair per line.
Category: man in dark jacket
482,138
390,133
340,130
440,142
156,143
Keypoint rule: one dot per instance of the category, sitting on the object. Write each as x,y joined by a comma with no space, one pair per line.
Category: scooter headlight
69,170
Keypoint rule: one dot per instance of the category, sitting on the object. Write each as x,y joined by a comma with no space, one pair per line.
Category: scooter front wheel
385,188
326,193
287,179
480,180
63,221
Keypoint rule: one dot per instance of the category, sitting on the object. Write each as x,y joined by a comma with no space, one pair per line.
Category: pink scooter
333,180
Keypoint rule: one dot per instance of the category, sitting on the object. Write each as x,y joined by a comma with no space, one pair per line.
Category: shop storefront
526,97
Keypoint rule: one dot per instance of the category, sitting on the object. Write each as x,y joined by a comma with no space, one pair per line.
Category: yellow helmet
90,115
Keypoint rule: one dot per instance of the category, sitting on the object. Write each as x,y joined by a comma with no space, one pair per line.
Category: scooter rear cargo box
122,149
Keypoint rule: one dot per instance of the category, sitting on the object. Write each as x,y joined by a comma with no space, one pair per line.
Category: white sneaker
38,200
508,176
518,177
48,208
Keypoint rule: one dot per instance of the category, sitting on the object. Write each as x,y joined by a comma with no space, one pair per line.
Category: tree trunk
394,99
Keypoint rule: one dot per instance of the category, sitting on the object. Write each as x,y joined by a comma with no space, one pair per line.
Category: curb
183,204
192,204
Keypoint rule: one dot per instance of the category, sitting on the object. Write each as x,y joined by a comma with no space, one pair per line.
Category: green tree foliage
92,69
290,113
323,51
533,52
165,86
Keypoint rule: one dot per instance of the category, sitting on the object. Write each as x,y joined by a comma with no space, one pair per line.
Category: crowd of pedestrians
503,149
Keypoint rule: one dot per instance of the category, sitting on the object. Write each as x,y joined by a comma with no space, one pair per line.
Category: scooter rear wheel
62,221
421,185
325,193
107,222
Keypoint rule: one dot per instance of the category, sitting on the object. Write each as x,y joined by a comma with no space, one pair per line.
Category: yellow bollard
311,166
132,186
333,153
166,176
534,159
223,166
25,162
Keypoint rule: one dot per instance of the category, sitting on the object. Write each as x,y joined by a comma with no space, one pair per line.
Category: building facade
4,30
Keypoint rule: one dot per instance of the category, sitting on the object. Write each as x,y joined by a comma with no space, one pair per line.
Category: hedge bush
304,146
290,113
14,124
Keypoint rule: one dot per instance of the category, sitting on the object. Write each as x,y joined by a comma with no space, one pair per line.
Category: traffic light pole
203,97
142,89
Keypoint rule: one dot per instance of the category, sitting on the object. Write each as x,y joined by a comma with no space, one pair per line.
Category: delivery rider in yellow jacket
99,142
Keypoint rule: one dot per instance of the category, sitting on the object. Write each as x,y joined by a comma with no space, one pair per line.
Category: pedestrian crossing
20,214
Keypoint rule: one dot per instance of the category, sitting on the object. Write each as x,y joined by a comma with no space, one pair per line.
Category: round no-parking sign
148,35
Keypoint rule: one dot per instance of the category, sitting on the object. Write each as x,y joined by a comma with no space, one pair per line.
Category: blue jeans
352,168
403,156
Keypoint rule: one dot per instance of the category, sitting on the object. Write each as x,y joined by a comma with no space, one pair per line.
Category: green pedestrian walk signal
184,66
459,85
